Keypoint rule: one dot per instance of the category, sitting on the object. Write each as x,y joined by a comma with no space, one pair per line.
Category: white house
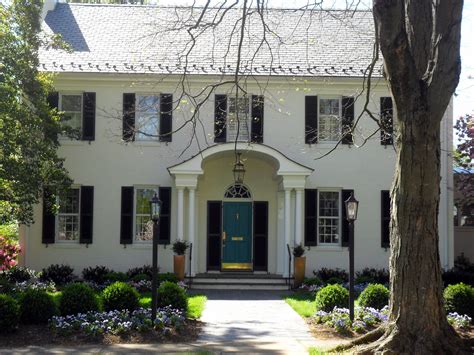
124,79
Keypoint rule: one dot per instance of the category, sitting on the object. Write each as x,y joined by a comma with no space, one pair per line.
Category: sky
464,95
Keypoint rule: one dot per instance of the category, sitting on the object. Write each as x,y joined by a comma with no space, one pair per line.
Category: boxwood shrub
170,294
77,298
36,307
331,296
119,296
9,314
459,298
375,296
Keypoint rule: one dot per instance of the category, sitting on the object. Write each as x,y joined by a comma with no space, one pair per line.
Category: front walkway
251,322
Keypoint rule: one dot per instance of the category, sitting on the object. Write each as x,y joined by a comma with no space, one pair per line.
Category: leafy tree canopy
29,128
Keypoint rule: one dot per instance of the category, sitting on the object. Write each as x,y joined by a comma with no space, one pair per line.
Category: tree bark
420,43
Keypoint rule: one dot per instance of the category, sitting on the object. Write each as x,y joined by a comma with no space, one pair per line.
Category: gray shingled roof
153,39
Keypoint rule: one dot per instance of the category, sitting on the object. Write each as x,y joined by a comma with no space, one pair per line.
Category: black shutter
260,235
166,117
214,230
311,119
88,116
53,99
257,118
385,218
87,214
347,119
126,221
165,218
386,120
49,219
128,133
220,118
344,223
310,217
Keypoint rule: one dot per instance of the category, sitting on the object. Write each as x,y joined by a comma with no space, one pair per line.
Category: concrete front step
238,281
238,286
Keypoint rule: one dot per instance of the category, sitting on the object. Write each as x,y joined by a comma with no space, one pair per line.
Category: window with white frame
238,113
147,117
143,222
329,120
71,105
68,216
329,217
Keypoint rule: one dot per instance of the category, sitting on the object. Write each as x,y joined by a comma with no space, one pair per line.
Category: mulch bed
40,335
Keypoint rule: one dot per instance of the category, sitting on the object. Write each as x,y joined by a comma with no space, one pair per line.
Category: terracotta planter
300,266
179,266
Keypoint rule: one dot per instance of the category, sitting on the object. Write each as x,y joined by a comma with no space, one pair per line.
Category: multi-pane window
329,129
71,105
329,217
143,222
238,113
68,215
147,117
464,215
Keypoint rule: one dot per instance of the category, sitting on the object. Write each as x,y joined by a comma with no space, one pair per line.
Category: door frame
237,266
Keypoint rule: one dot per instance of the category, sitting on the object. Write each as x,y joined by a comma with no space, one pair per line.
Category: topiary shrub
326,274
116,276
9,314
19,274
59,274
170,294
459,298
170,277
145,269
119,296
95,274
375,296
141,277
36,307
77,298
331,296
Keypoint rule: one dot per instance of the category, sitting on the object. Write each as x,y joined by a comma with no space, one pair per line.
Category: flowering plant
118,322
8,253
459,321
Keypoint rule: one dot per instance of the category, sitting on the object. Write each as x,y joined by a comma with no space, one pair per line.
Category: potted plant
179,249
300,265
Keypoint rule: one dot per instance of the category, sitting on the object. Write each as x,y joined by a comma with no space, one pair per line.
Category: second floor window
329,129
238,113
71,105
147,117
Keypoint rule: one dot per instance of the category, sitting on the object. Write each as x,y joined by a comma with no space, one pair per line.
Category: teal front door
237,236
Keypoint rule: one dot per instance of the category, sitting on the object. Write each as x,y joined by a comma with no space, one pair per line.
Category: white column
191,226
287,229
180,213
298,216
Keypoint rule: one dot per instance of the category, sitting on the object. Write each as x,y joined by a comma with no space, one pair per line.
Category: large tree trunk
420,43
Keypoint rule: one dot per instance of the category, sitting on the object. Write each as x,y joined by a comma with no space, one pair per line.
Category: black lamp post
239,170
351,214
155,210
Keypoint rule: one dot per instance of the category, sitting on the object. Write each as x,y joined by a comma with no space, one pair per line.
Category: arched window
238,191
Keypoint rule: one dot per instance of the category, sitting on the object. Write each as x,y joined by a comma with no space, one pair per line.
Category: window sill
464,228
61,245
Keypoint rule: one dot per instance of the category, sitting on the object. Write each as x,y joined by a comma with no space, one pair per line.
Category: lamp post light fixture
352,205
239,170
155,210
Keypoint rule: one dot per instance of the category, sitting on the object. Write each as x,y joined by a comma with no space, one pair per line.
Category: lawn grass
196,304
302,303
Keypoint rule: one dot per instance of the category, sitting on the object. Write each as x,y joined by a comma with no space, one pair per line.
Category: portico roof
284,165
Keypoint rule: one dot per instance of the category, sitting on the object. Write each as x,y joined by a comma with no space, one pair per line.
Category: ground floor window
329,217
464,215
68,215
143,223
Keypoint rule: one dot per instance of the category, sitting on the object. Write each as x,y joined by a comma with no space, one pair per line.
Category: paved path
252,322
